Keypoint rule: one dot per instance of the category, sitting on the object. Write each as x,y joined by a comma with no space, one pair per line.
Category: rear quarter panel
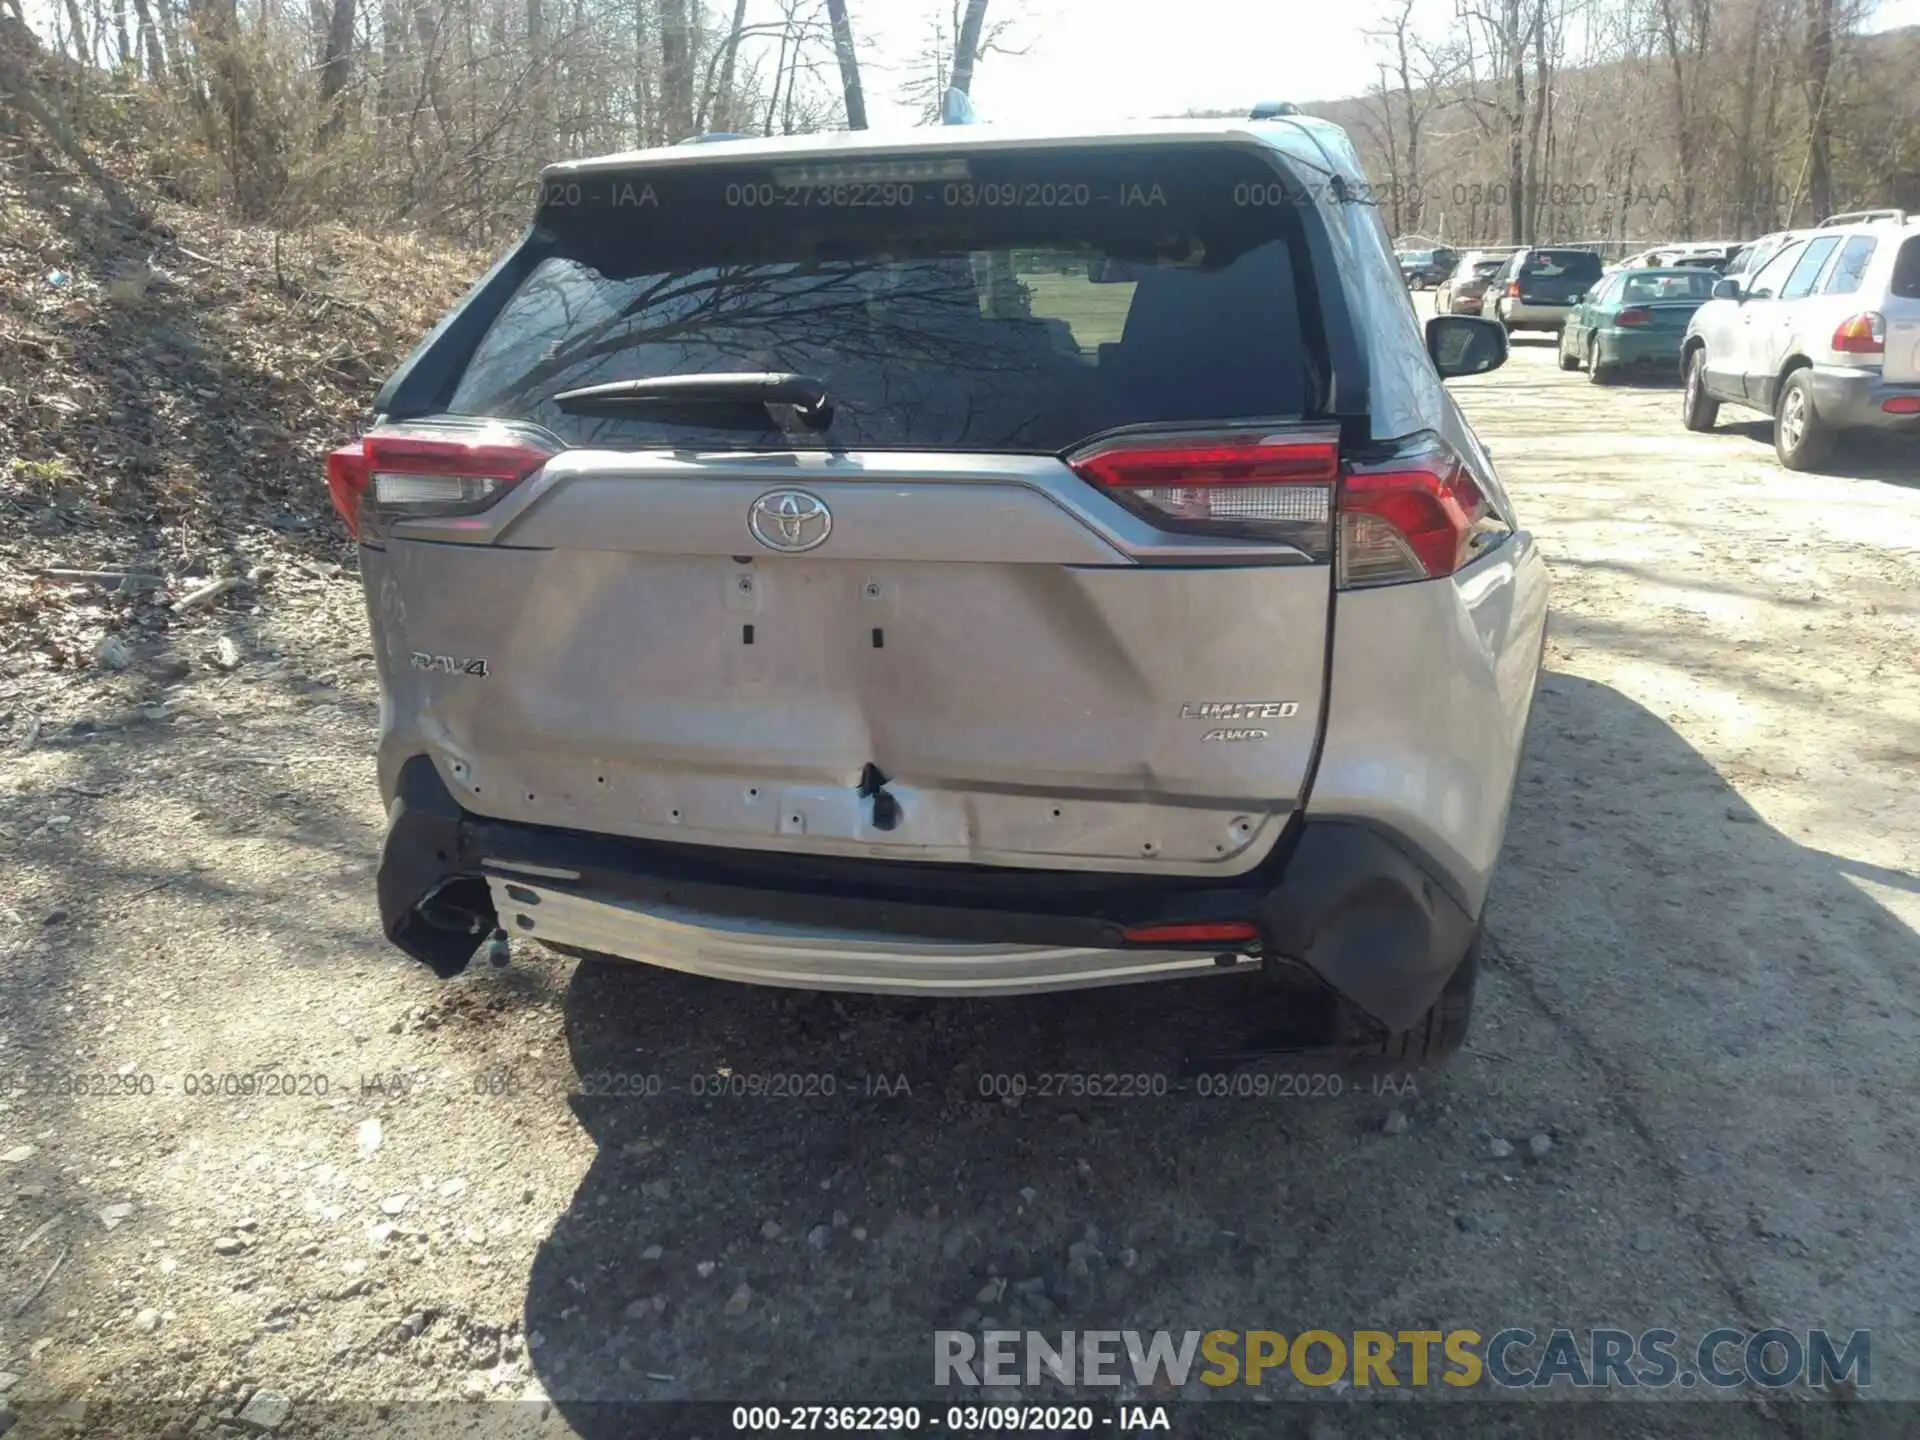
1429,693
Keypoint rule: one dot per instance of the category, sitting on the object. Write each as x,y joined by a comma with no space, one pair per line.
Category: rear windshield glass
1645,289
1906,270
1007,303
1573,264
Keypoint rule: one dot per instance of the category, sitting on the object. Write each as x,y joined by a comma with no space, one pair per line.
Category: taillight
1225,932
1513,289
1862,334
1901,405
1252,486
1416,516
347,482
413,472
1633,318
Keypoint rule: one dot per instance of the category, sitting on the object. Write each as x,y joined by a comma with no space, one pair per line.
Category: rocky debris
395,1205
772,1230
112,653
819,1237
704,1269
266,1411
17,1155
226,653
1395,1123
113,1216
1539,1145
228,1245
147,1320
366,1135
652,1252
741,1298
1498,1148
451,1189
840,1221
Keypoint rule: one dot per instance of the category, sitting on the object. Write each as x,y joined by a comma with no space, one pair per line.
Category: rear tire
1435,1036
1698,410
1801,439
1597,373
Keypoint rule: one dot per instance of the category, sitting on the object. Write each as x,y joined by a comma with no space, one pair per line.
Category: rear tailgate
1902,314
920,633
1557,277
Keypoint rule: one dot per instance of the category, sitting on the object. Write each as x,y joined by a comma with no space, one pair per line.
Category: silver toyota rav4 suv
955,564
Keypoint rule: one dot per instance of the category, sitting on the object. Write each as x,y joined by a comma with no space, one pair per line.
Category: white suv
1824,336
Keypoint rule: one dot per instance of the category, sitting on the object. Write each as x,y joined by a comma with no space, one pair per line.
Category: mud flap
432,905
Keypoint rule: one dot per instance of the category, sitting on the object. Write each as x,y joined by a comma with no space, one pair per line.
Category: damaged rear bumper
1347,902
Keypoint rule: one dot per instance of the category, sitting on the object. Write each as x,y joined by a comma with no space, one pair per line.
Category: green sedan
1634,318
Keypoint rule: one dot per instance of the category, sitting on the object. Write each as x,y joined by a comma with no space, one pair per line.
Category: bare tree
849,64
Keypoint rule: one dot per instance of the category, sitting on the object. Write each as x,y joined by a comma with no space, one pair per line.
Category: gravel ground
1687,1100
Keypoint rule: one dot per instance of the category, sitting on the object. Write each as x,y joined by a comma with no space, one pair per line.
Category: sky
1115,59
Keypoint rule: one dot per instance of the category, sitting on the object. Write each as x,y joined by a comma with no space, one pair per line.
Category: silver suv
952,565
1824,335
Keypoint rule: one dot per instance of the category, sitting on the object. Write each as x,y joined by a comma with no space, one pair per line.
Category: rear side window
1906,270
1017,302
1573,264
1800,282
1851,268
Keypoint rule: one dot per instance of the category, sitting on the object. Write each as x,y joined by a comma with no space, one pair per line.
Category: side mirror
1466,345
1726,289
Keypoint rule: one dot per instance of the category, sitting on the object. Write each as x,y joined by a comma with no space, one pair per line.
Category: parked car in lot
1464,290
1688,252
1421,268
1145,621
1825,337
1537,286
1633,319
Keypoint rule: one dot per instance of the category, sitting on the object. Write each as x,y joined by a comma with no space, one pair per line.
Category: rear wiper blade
807,394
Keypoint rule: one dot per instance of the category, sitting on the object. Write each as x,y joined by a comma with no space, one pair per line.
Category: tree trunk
123,40
967,49
538,79
336,69
721,109
150,39
1819,120
676,70
850,62
426,25
1516,125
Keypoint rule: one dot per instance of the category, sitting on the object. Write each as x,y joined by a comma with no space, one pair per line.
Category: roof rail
710,135
1861,217
1273,110
956,108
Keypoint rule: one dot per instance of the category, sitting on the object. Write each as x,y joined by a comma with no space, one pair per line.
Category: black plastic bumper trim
1341,898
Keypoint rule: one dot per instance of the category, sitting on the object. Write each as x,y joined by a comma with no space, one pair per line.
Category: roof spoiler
1273,110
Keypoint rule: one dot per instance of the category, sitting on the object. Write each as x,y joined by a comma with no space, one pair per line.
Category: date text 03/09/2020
992,1419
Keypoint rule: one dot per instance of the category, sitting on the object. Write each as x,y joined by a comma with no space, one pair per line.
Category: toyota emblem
790,520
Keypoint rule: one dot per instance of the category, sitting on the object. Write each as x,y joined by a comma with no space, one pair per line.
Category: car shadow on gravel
791,1192
1867,456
